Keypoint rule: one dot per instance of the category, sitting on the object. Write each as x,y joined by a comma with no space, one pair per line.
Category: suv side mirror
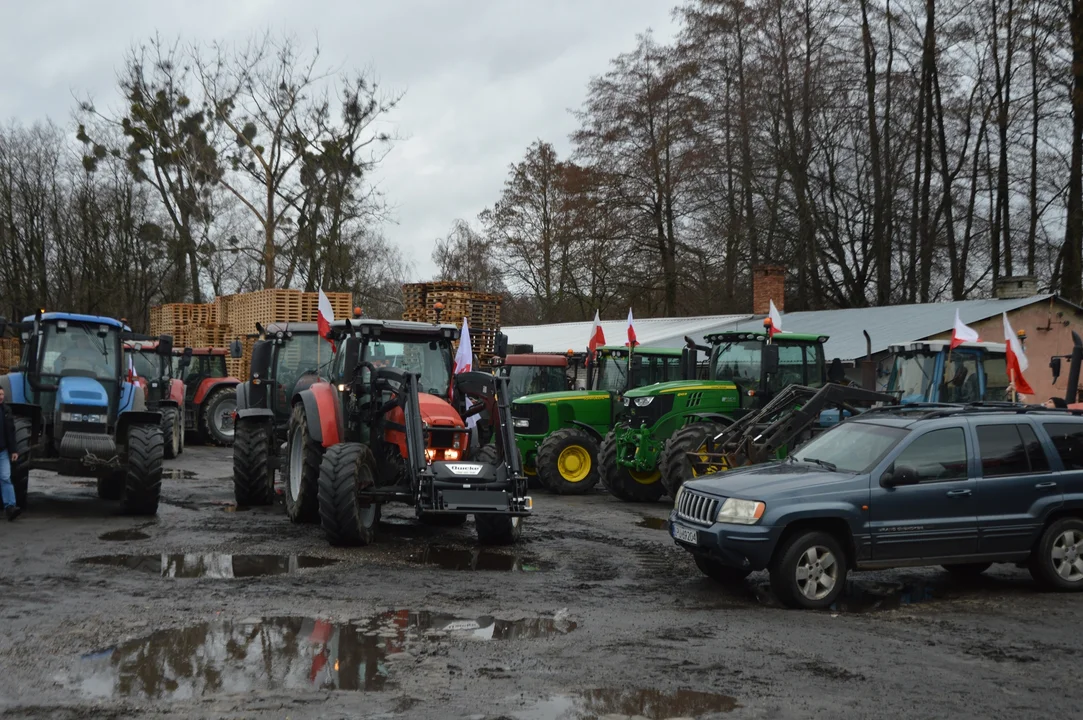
770,359
235,350
165,345
899,475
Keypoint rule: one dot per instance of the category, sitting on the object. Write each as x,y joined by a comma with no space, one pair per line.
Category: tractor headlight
520,422
627,402
741,512
83,417
644,401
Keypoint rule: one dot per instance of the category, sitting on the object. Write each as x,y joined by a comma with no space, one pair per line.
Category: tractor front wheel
674,462
171,429
20,469
625,484
567,462
347,471
218,412
303,456
498,529
253,473
143,475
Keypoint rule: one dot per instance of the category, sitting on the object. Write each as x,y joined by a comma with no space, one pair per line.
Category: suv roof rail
932,410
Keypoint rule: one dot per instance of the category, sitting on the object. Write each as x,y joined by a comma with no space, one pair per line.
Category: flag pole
1011,383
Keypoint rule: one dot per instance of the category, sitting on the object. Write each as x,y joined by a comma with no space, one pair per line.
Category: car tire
567,462
1057,561
965,570
815,555
722,574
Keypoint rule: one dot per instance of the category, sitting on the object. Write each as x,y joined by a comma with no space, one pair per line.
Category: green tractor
644,456
559,433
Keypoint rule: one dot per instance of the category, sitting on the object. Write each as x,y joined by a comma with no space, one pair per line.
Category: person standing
7,456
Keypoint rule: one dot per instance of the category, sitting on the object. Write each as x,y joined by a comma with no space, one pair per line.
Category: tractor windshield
531,379
146,363
738,362
912,376
430,358
613,374
80,348
302,354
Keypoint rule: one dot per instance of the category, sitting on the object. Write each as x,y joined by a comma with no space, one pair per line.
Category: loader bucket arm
492,394
756,437
403,388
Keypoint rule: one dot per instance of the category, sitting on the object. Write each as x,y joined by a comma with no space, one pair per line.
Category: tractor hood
436,411
674,386
563,395
81,391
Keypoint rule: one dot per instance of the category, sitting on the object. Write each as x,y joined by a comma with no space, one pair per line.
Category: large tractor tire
674,462
303,456
172,429
111,485
567,462
143,475
496,529
624,484
347,470
253,472
20,469
218,423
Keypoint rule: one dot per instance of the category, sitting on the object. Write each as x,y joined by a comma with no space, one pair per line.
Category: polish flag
464,362
962,333
597,337
1017,359
632,342
324,318
776,320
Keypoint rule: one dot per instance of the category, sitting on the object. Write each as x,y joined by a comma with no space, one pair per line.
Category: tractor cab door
960,379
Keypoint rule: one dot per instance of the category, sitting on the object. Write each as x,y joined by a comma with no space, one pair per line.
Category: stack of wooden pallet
10,351
459,301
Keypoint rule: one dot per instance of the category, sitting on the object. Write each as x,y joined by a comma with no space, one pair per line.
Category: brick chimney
1011,288
768,283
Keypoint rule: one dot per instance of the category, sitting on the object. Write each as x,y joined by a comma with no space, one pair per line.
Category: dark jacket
7,430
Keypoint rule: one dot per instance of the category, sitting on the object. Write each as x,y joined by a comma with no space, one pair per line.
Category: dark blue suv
959,486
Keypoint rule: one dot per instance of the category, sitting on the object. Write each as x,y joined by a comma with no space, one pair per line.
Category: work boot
12,511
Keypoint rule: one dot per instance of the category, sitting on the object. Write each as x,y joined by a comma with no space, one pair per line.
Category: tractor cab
286,358
760,368
532,373
933,371
617,370
210,394
154,372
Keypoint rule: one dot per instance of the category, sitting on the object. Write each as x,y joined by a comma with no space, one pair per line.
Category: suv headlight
677,497
644,401
741,512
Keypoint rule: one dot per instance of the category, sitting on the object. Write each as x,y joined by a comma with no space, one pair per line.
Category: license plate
686,535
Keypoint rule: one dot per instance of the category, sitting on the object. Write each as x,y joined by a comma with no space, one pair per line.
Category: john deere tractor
559,433
78,412
648,447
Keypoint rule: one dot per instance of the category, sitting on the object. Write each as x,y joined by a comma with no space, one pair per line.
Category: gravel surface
219,613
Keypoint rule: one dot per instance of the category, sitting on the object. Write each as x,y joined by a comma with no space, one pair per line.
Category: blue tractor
931,371
79,411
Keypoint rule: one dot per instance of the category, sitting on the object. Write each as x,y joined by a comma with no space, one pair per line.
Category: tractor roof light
822,339
61,325
279,334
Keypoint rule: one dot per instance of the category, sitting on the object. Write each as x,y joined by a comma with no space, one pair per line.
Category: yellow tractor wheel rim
646,477
712,467
530,470
573,463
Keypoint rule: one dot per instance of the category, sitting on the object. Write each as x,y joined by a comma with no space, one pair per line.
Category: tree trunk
1071,265
881,248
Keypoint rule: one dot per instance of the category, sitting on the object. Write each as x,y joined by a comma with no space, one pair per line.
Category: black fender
711,417
242,396
589,430
255,413
135,417
168,403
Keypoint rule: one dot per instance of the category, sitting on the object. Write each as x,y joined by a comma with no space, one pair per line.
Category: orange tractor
163,391
210,394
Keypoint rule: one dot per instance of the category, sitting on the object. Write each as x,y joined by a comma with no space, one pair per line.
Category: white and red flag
632,342
961,333
776,320
597,337
324,317
1017,359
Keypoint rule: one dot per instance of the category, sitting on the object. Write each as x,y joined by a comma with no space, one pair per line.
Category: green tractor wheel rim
574,463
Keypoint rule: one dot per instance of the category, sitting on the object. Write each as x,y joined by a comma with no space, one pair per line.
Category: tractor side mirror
235,350
501,346
165,345
770,359
1054,365
186,359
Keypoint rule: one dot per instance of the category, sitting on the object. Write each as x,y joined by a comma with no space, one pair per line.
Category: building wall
1048,326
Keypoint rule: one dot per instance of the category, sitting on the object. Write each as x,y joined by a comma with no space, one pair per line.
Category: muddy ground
595,614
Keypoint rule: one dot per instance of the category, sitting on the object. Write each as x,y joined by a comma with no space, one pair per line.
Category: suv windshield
430,358
530,379
80,348
853,447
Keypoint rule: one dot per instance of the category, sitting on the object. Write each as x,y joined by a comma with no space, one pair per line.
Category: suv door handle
1045,485
958,493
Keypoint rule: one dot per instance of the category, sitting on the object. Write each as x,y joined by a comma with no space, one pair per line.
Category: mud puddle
863,596
654,523
653,704
449,558
122,535
276,653
178,474
211,565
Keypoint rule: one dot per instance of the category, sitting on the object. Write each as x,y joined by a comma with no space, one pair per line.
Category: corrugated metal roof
890,324
654,332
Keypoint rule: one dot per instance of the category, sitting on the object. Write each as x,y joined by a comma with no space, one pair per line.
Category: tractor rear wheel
347,470
171,429
143,475
218,423
625,484
253,473
674,462
20,469
303,456
567,462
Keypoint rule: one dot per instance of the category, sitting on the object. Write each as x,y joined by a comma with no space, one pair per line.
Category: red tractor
391,425
210,394
163,391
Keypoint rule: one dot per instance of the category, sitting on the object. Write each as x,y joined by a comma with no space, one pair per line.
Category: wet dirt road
206,611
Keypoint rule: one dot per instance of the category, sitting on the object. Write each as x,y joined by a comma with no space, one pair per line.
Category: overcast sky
483,78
